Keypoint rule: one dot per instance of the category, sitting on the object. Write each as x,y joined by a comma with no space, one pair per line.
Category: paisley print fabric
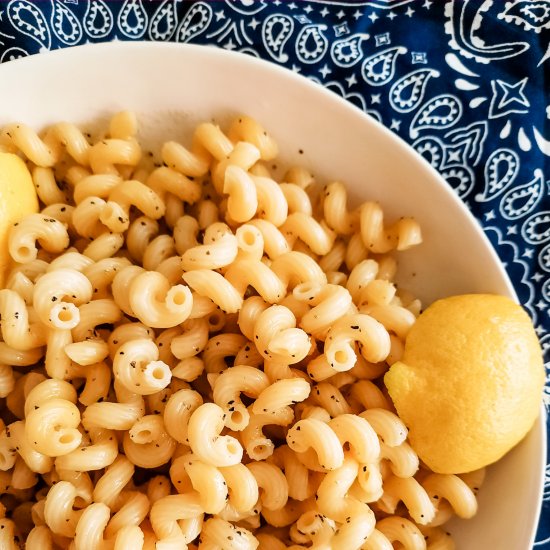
463,81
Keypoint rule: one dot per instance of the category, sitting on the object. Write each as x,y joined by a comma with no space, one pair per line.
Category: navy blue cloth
464,82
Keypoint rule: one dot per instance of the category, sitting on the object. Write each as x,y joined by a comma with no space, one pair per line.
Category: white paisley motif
65,24
132,19
195,22
432,149
346,52
13,53
441,111
276,31
164,21
28,19
311,43
407,93
521,200
379,69
501,169
460,178
98,20
536,228
532,15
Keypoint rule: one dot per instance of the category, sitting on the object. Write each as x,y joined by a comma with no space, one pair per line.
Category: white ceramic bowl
172,87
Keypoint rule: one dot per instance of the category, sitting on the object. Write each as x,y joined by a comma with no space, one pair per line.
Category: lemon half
470,382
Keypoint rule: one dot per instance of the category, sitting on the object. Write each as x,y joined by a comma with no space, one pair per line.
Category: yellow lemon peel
17,199
470,381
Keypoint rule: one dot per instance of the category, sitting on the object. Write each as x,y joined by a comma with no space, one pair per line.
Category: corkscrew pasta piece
454,490
156,304
134,508
274,241
110,485
227,393
213,285
51,291
179,408
87,184
137,368
167,180
330,398
329,303
401,235
242,202
204,428
168,513
402,460
356,518
51,426
387,425
59,513
244,273
22,285
147,443
302,483
101,451
401,530
272,484
373,339
192,341
369,395
18,331
39,538
219,250
359,435
177,157
23,138
119,415
276,336
107,154
7,380
220,347
317,236
394,318
281,394
46,187
87,217
412,494
95,313
88,352
315,434
272,205
296,267
49,233
252,437
335,211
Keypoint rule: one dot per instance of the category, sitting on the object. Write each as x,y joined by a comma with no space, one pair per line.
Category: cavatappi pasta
192,350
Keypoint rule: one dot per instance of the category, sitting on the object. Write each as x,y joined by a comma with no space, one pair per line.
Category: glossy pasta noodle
192,351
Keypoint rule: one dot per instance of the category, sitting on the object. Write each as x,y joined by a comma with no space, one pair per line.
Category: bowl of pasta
178,367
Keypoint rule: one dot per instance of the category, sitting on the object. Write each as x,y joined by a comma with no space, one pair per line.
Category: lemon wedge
17,199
